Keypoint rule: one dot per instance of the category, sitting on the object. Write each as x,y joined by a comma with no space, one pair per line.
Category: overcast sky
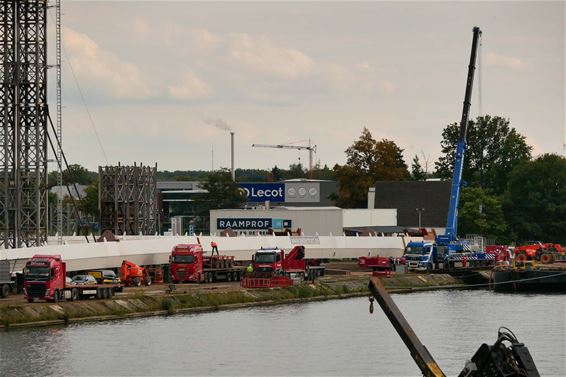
164,80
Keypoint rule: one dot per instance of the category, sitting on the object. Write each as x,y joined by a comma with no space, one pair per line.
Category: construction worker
214,248
250,269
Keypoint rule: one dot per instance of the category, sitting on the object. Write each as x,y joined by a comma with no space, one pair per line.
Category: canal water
334,338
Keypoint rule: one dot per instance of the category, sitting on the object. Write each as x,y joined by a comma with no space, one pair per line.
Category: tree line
509,195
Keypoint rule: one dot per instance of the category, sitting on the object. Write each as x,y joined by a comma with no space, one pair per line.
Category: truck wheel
429,267
5,291
136,282
74,294
147,281
30,299
98,293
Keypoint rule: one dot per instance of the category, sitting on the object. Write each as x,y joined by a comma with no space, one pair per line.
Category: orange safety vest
213,244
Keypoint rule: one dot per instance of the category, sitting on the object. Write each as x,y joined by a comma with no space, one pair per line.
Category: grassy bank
177,301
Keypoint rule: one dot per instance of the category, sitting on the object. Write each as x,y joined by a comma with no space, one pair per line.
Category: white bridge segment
147,250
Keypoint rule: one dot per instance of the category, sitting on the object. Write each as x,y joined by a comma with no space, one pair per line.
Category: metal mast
452,222
23,117
59,125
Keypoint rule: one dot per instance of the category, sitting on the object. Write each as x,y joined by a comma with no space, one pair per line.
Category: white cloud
191,87
497,60
102,70
261,55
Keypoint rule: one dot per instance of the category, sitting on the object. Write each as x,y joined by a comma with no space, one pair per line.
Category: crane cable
91,120
480,104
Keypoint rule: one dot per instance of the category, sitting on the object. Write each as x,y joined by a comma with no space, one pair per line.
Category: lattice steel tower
23,117
127,199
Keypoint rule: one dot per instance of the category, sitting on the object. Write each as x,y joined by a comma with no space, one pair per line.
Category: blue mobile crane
448,251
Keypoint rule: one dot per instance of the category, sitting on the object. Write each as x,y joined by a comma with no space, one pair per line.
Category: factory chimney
232,152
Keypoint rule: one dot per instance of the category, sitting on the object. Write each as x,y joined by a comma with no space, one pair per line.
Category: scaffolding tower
127,199
23,128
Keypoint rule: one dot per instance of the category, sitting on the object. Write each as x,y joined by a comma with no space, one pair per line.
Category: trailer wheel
229,276
74,294
546,258
147,281
5,291
210,277
110,292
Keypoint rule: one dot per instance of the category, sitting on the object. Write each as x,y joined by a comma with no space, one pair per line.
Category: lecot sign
260,192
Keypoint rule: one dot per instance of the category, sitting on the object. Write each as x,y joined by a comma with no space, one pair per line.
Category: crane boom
310,148
299,147
452,222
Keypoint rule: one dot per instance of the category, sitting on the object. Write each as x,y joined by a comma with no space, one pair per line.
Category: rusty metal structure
23,127
127,199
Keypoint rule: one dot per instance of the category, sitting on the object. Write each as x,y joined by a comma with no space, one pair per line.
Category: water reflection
323,338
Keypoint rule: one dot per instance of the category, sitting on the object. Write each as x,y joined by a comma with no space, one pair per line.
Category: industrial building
418,203
310,220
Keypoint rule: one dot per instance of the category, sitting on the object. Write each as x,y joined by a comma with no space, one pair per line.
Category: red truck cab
268,261
275,262
188,264
185,263
44,278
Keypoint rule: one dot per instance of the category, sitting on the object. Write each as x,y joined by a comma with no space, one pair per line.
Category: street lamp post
420,211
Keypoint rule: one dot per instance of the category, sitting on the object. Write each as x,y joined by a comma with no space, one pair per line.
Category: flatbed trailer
45,279
188,264
71,292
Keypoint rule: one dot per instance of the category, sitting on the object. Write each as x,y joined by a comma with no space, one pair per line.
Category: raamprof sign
252,224
261,192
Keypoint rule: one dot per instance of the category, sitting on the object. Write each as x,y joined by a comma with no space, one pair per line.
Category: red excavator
133,275
541,252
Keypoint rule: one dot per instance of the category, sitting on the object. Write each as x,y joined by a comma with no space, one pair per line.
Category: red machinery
501,252
45,279
278,269
538,251
133,275
188,264
381,266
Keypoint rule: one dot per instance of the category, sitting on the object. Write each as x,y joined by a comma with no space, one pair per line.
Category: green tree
222,191
75,174
324,173
88,205
481,213
493,150
295,171
368,161
276,174
535,200
417,172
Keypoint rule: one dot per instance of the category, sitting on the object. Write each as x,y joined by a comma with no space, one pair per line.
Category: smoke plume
219,123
